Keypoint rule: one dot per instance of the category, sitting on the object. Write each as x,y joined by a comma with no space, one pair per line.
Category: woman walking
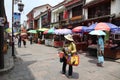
69,50
100,51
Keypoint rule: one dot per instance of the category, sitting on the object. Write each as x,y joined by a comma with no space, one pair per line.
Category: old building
33,16
100,11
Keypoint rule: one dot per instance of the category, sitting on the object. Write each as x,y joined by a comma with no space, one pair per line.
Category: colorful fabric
72,48
73,60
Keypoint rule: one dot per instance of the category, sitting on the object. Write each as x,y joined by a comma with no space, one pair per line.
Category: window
116,36
60,16
77,11
99,10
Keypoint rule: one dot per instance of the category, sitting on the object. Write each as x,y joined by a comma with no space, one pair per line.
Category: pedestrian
69,50
24,43
31,38
100,51
19,40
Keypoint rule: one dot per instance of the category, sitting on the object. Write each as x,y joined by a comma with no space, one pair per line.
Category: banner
17,17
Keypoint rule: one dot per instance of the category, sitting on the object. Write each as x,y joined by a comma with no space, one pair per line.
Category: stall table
108,52
112,53
81,46
58,43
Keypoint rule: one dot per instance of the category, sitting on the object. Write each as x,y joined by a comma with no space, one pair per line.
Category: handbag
73,60
100,59
61,54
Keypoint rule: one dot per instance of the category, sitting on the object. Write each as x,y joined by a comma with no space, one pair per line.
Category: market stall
59,36
111,46
79,37
49,37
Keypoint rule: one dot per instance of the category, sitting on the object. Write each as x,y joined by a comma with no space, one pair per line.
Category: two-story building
33,16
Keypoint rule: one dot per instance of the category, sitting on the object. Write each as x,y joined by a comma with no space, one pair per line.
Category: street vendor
70,49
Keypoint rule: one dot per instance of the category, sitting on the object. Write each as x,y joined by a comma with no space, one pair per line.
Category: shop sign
2,20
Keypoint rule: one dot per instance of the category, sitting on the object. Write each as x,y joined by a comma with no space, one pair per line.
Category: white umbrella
97,32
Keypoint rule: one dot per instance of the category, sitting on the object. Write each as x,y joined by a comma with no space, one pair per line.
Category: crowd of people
19,40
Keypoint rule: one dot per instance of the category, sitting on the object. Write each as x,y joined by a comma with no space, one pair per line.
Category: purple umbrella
63,31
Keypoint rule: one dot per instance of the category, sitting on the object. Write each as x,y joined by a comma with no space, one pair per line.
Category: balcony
76,18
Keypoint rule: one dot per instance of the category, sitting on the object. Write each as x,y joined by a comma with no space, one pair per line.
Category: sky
28,6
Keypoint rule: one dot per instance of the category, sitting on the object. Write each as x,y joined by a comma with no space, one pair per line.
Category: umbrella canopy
79,29
23,34
43,29
97,32
51,31
91,27
63,31
103,26
9,30
45,32
32,31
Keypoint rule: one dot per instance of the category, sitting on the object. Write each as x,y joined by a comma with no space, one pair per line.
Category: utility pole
2,17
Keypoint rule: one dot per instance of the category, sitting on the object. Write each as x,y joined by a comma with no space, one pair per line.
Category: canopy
63,31
97,32
32,31
79,29
43,29
102,26
51,30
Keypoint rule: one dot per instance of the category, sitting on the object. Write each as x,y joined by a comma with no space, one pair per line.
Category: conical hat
69,37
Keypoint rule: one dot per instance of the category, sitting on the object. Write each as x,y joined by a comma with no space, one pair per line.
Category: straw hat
69,37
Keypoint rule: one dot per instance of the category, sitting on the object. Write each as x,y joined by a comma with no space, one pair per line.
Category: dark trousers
70,70
30,41
19,43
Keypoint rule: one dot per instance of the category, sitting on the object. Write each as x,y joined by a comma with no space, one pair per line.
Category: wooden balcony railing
76,18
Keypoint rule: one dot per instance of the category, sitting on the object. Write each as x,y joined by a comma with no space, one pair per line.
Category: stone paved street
40,62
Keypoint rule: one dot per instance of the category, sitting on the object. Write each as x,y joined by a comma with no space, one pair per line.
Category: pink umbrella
105,26
79,29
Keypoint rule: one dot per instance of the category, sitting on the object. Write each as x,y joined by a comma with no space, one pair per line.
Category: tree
2,14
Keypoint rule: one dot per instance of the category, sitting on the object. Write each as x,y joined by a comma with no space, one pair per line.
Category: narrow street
40,62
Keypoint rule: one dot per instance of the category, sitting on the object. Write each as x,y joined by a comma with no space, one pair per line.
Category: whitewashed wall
38,11
115,7
55,13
